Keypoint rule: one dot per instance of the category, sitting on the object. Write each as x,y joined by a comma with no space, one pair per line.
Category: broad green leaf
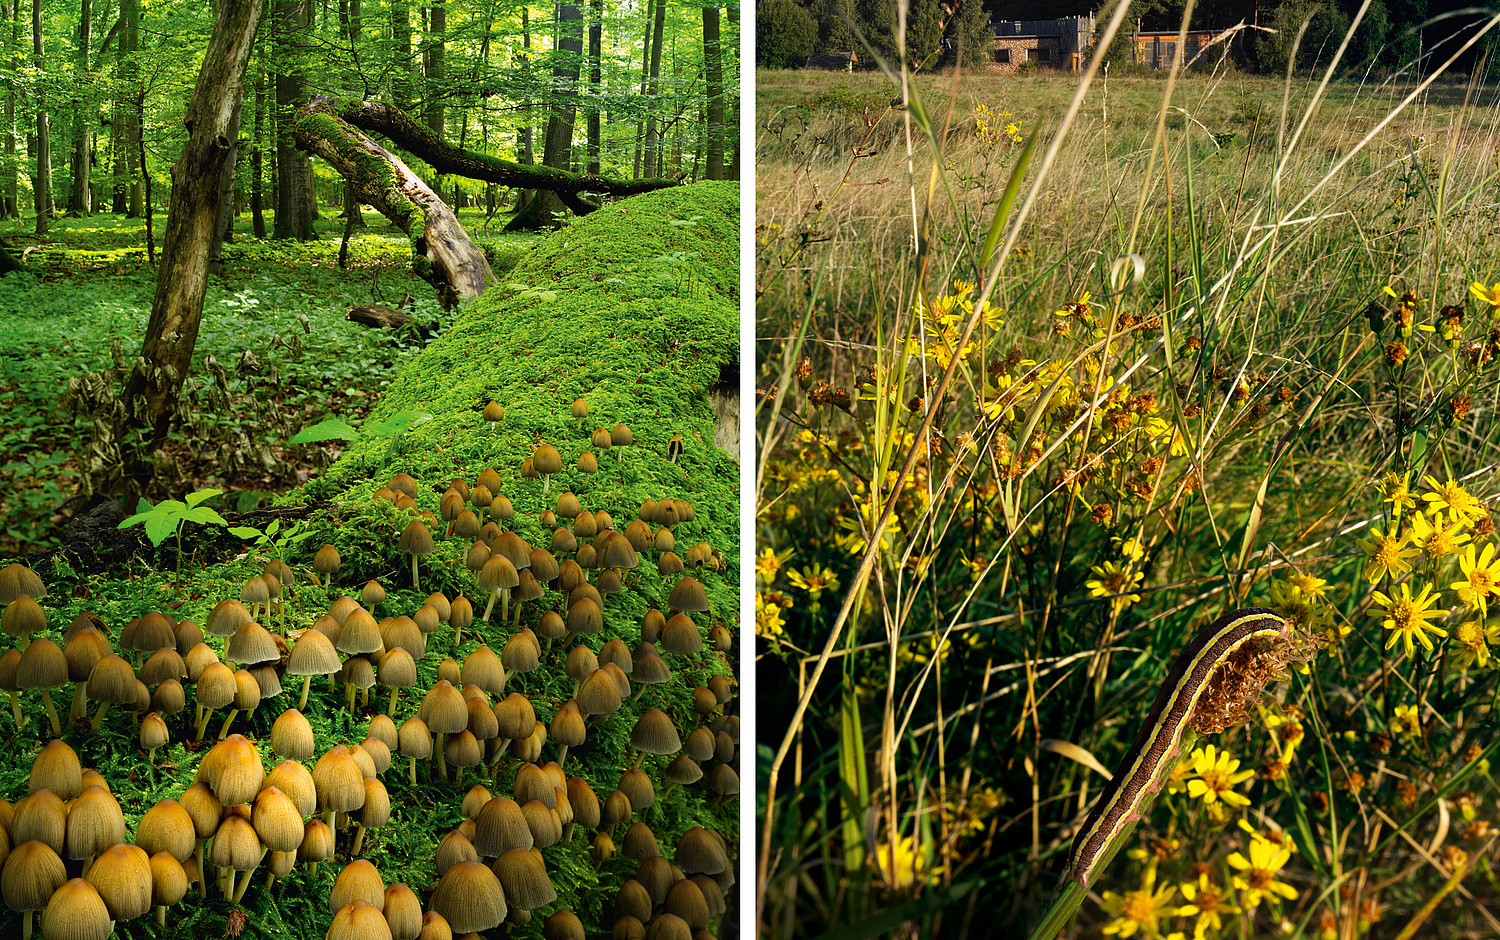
332,429
158,527
204,514
244,532
273,528
195,498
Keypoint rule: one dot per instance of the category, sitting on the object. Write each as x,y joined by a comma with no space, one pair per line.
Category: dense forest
1391,34
94,102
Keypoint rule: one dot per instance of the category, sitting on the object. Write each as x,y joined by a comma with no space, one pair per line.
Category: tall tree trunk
130,11
434,58
224,220
293,168
83,131
652,158
557,152
401,38
151,391
596,43
732,11
524,153
42,187
9,204
257,153
640,126
119,148
713,75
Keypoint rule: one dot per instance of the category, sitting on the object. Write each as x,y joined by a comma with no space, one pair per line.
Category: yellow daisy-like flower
1405,721
1209,903
1460,504
1257,868
814,579
1217,776
1406,617
1314,588
1114,580
1487,295
1437,541
1178,778
1387,553
767,563
1481,577
1397,493
1474,642
1140,910
768,618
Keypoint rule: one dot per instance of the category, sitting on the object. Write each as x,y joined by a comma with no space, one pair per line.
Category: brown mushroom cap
621,436
292,735
95,823
639,843
524,879
484,669
313,655
633,900
23,617
232,769
295,780
339,781
360,633
359,920
33,872
500,826
43,666
166,827
701,851
317,841
681,635
169,880
635,784
57,769
546,459
655,733
359,880
277,820
469,898
203,808
443,709
17,579
122,876
414,738
403,912
598,694
40,817
76,912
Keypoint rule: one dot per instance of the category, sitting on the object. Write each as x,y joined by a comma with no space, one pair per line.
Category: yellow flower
1462,506
1177,780
1406,617
1209,903
1257,872
768,618
1217,777
1474,642
1487,295
1130,549
1310,586
1114,580
853,540
767,563
1397,493
814,579
1139,910
1405,722
900,865
1437,541
1481,577
1388,555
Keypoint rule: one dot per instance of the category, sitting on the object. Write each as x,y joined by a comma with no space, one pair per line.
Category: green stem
15,710
52,714
302,699
1062,910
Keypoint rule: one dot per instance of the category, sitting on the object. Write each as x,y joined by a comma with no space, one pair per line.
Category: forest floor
90,291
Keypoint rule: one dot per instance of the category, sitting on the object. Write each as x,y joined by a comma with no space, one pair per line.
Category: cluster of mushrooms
281,802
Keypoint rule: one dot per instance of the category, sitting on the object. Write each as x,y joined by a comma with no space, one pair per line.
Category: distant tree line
1393,34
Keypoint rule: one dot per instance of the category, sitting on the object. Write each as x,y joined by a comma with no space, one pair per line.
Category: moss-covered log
392,123
442,252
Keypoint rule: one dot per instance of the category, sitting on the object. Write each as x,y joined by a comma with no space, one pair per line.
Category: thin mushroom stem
390,708
202,879
333,833
203,718
306,684
359,838
224,728
442,763
411,771
52,714
161,915
562,754
491,605
239,893
80,706
15,710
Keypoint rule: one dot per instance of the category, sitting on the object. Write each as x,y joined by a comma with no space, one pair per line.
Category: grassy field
1228,342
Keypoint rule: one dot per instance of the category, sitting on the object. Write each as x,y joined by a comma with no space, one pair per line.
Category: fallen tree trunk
442,252
392,123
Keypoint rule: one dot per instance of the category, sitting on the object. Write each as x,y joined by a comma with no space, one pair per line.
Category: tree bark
224,219
378,118
11,206
442,252
130,11
732,13
557,149
713,76
43,185
401,38
78,199
434,55
257,155
596,43
293,169
652,162
151,390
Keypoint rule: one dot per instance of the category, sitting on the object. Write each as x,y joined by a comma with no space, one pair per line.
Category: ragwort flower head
1459,503
1257,868
1406,617
1387,554
1217,776
1436,540
1140,910
1481,577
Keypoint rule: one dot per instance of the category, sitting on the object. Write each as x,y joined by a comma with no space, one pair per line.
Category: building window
1002,56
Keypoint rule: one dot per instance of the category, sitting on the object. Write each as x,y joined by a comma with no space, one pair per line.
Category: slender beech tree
151,390
293,168
83,129
42,186
557,150
596,43
713,76
9,208
651,165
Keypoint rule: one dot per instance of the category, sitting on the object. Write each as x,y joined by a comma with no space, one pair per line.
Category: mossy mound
643,349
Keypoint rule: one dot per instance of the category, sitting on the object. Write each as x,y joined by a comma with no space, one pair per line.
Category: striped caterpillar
1209,688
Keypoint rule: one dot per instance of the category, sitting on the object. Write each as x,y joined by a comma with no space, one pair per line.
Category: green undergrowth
625,309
